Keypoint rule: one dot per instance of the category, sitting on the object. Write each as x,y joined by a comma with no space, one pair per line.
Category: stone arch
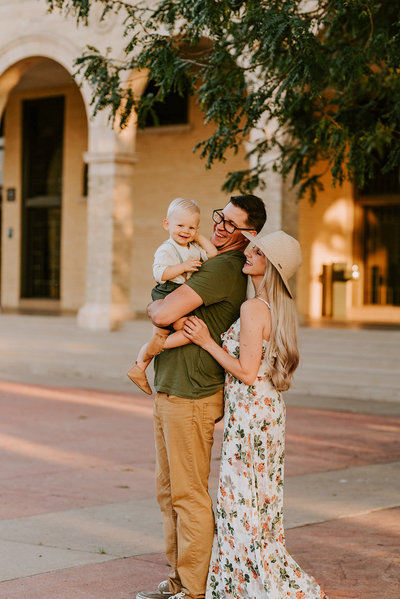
18,56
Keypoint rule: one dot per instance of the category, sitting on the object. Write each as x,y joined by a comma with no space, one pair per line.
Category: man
189,400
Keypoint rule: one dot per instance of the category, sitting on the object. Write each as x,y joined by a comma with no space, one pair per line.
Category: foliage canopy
325,73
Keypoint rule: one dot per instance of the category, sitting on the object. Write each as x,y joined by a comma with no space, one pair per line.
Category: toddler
174,262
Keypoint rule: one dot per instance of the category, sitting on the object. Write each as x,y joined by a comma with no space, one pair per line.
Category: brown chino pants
184,430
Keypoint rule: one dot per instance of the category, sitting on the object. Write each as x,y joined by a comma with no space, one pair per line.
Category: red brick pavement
69,448
321,440
352,558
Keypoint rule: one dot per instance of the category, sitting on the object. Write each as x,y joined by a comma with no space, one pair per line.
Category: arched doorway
45,138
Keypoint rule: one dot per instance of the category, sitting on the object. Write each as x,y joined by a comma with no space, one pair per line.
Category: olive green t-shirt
189,371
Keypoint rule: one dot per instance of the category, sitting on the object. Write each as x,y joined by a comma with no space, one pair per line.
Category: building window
85,180
379,202
1,157
381,183
381,254
173,110
42,160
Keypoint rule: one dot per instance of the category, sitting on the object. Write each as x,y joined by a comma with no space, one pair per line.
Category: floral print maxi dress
249,558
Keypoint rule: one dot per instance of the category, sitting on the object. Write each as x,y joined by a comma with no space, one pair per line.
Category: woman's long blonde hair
283,351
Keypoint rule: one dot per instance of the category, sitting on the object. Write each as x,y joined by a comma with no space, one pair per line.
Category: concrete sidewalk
78,515
339,365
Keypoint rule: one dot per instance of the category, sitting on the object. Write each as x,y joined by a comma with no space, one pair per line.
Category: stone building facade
82,202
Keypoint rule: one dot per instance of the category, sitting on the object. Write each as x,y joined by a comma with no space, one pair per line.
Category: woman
259,353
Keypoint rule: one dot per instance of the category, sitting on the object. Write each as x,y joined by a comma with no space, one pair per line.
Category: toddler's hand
191,265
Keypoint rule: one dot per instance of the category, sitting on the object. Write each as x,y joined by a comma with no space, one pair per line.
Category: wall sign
11,194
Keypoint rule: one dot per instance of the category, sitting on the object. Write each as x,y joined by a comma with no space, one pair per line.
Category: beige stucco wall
326,236
11,211
74,208
27,23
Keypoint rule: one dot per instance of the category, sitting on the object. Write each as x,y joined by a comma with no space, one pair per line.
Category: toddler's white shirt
168,255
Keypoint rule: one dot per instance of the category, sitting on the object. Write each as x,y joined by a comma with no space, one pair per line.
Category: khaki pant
184,430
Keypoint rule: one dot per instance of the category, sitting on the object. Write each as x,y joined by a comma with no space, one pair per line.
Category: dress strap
263,300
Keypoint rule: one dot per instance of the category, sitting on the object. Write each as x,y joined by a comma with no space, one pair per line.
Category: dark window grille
382,254
173,110
85,180
381,183
42,148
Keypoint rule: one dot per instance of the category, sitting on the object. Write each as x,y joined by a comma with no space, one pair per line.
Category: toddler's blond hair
182,204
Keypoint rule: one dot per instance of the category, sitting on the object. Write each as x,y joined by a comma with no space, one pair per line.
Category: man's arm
180,302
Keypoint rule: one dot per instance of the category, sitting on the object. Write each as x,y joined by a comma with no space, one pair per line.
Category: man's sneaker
180,595
163,587
162,592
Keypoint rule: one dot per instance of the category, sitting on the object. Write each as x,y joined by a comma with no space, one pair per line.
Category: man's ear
165,224
254,233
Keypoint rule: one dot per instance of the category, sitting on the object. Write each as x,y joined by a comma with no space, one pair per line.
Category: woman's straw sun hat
282,250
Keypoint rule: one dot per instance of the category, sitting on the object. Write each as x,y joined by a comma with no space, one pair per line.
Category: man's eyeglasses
218,218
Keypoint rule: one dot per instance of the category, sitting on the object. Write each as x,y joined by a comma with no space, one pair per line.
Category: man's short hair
181,204
254,206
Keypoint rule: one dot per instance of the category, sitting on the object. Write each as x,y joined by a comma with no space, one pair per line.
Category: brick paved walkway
78,517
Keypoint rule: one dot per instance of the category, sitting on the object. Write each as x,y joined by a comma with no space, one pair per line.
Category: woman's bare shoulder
256,314
251,307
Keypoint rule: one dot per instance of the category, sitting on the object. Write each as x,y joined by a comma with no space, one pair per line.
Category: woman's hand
197,331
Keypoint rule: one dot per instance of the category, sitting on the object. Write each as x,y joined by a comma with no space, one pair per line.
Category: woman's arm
252,325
